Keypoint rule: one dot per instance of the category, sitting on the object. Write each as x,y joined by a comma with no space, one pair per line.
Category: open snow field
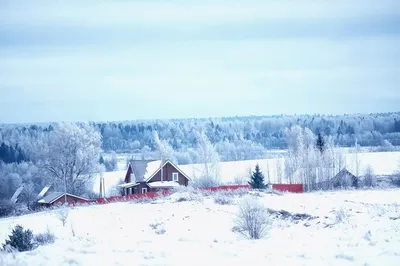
353,228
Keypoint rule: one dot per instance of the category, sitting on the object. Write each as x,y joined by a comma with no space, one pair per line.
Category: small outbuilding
50,198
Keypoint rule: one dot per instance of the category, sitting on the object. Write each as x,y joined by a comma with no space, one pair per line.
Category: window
144,190
175,177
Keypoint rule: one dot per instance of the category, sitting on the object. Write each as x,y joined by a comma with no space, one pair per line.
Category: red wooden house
144,176
47,197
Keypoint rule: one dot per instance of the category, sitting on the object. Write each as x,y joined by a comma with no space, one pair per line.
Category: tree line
235,138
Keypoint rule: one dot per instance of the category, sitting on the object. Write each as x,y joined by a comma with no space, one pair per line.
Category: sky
95,60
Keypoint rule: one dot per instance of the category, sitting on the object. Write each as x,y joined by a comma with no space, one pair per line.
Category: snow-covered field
353,228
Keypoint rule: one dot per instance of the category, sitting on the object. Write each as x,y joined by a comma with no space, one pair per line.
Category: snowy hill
352,228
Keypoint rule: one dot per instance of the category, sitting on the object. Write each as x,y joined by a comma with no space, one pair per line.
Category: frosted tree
164,149
356,158
369,177
279,171
306,161
71,155
209,159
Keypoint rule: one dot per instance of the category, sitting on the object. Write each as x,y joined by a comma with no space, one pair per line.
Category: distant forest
235,138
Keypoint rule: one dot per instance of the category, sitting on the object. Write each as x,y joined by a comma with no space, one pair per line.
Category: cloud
118,59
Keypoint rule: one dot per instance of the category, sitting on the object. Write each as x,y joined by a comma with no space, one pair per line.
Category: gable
168,162
141,169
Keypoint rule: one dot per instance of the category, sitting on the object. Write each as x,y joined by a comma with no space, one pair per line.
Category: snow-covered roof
156,169
127,185
14,198
152,167
43,192
163,184
53,196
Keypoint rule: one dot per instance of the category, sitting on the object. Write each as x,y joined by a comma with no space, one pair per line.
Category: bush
20,239
44,238
341,215
62,214
252,219
222,198
205,182
6,208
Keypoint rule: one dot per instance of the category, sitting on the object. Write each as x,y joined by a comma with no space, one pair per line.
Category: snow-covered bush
158,227
341,215
184,196
222,198
252,219
204,182
20,239
44,238
160,230
62,214
143,200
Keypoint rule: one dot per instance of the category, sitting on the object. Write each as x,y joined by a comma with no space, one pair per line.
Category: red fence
232,187
294,188
149,195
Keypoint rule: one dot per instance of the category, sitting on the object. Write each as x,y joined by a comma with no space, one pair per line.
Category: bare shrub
44,238
72,230
158,228
341,215
143,200
62,214
223,199
205,182
252,219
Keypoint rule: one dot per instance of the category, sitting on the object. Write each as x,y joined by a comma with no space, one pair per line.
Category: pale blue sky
122,60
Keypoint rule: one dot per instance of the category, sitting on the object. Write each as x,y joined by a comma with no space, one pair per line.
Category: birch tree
209,159
70,156
164,149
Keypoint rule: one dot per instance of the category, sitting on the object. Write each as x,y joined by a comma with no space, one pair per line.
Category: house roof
43,192
53,196
128,185
163,184
142,169
19,190
342,173
159,168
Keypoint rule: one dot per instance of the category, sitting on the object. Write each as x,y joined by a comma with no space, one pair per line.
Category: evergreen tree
257,179
101,160
320,143
20,239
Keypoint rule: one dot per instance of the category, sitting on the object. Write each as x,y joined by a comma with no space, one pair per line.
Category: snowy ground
353,228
